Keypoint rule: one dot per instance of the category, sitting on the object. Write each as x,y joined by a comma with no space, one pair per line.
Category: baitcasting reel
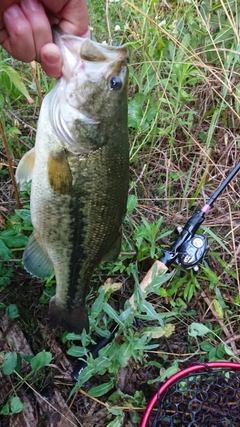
190,248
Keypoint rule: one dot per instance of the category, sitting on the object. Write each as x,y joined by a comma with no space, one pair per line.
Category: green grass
184,106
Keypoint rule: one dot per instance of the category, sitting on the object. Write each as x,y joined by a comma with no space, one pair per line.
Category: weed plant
184,129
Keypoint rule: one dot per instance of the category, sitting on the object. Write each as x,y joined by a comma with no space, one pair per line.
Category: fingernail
51,60
12,12
31,5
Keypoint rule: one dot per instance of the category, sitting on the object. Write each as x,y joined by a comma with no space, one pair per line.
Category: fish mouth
57,32
74,48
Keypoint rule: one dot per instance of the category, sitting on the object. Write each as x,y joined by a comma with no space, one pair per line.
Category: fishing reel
189,248
192,251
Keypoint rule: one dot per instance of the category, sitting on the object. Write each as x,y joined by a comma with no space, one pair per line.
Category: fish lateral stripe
78,255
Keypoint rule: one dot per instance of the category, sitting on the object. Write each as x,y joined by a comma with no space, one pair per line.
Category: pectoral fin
36,260
59,174
25,168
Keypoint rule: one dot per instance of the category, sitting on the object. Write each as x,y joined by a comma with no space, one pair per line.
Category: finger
4,5
3,35
75,17
51,60
41,29
73,13
17,37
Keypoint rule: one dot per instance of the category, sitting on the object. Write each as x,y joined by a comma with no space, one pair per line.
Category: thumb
51,60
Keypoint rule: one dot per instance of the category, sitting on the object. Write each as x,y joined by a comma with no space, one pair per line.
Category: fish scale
80,173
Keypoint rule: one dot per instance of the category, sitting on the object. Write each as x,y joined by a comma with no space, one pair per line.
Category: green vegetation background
184,105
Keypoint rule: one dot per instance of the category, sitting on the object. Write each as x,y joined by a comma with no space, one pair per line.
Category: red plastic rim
179,375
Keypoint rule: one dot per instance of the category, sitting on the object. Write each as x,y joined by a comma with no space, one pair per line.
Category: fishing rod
187,251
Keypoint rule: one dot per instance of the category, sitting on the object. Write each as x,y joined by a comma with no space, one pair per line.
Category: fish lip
57,34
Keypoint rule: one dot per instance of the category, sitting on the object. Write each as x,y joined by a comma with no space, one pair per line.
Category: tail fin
72,320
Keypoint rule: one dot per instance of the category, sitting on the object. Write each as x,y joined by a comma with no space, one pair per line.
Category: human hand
25,29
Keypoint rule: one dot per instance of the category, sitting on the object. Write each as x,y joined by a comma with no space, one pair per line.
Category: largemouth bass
79,169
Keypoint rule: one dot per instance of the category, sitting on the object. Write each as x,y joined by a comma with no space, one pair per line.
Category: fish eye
115,83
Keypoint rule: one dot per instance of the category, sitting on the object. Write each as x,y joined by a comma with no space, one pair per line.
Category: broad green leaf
112,313
71,336
5,252
13,406
10,363
98,365
16,80
76,351
125,353
127,314
5,275
228,350
16,405
173,369
5,409
12,311
118,422
206,346
41,359
131,204
24,214
86,374
212,355
218,308
101,389
14,131
97,304
197,329
13,239
135,110
158,279
151,313
158,331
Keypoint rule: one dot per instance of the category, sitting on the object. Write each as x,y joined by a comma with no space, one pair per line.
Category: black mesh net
209,398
